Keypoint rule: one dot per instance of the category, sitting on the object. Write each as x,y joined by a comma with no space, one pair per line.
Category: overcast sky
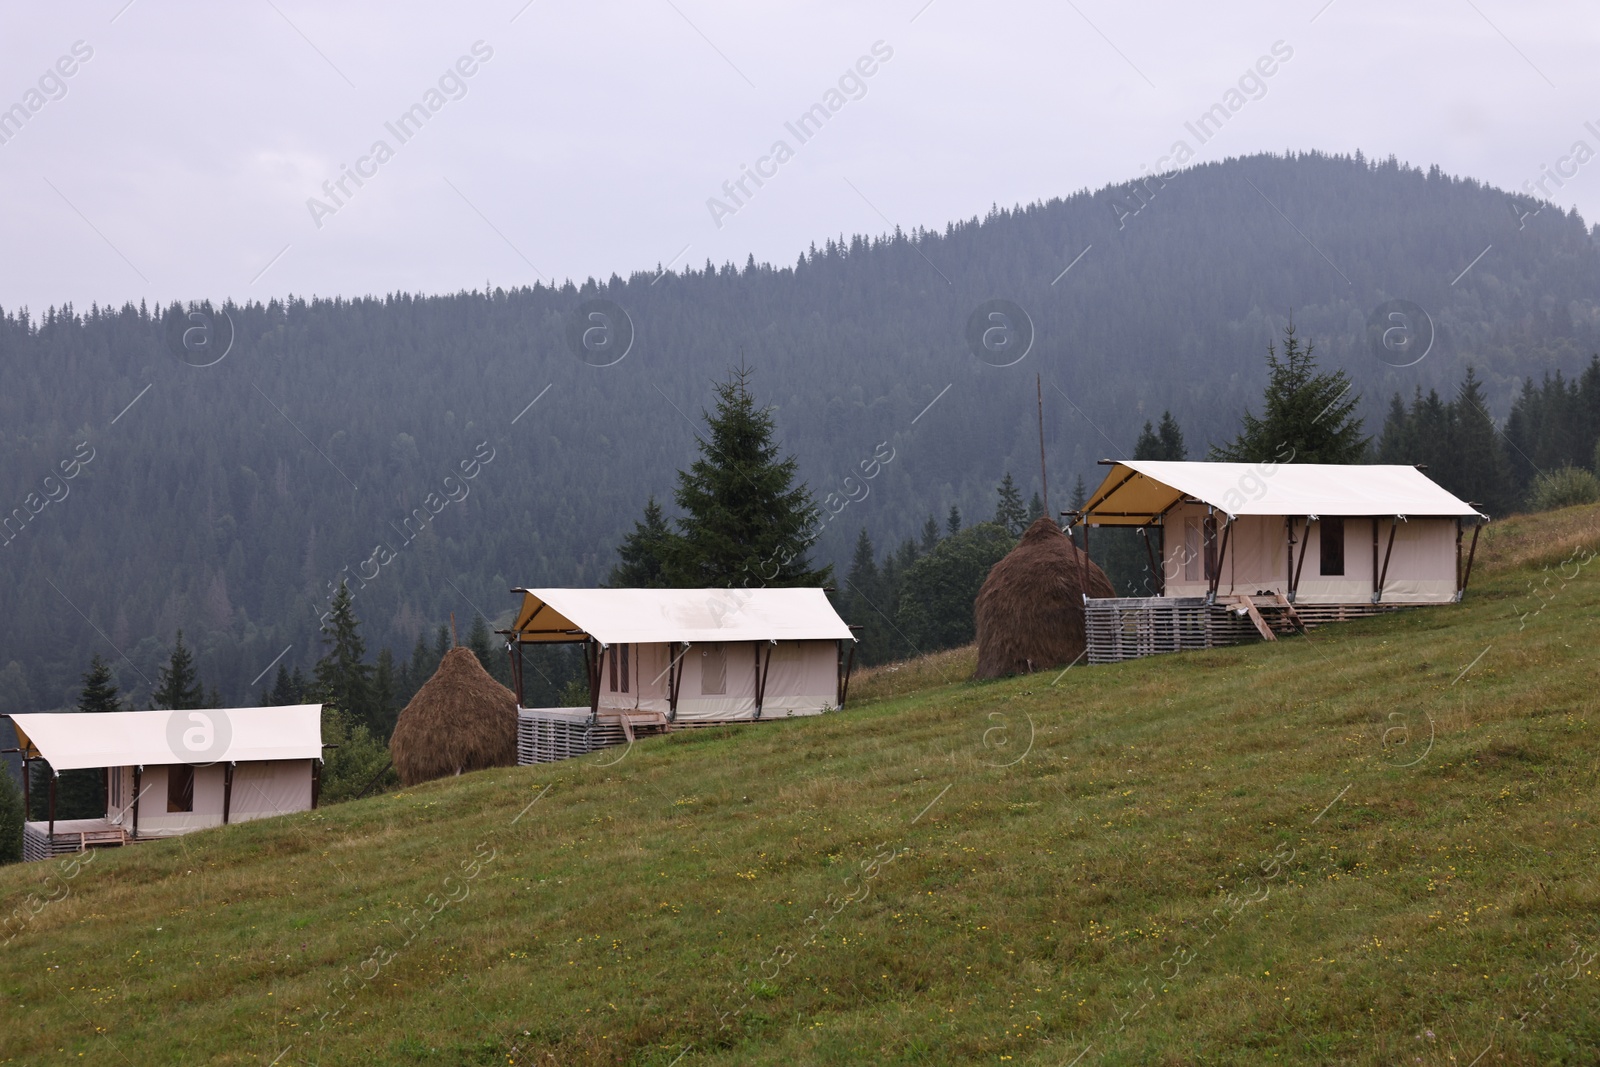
179,158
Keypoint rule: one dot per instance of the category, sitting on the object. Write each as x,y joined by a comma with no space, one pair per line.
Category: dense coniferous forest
434,451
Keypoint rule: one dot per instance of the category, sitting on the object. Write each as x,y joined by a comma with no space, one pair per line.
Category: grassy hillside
1375,846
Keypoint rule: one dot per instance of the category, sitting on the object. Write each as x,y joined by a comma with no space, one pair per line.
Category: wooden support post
1161,571
844,682
53,777
1150,552
1383,576
1288,523
1222,558
596,669
1083,569
1375,590
761,675
1473,551
227,791
1458,559
138,776
27,784
1294,586
515,657
675,682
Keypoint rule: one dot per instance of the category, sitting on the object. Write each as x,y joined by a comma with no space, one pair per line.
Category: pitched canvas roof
153,738
646,616
1137,490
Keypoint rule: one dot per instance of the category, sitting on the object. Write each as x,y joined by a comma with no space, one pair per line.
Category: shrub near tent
1030,609
460,720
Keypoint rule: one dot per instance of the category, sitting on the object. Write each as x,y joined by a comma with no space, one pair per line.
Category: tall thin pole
1044,478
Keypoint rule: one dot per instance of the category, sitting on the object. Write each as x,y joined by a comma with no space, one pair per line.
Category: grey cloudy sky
177,160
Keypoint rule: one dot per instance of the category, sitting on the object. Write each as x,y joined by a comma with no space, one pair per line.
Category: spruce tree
866,603
1008,509
1036,507
178,685
643,553
745,521
478,641
1172,443
384,699
1080,495
80,794
1165,443
930,536
283,690
952,522
343,679
418,672
491,653
1483,469
11,817
1307,416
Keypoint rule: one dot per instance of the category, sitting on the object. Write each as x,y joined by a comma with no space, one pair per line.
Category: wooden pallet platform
545,735
71,836
1122,628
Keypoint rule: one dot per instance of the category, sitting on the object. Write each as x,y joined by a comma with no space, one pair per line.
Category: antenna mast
1044,478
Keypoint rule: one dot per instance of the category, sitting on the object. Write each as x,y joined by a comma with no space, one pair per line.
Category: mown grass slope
1373,846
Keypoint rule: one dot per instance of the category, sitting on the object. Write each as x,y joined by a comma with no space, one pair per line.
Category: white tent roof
646,616
1137,490
153,738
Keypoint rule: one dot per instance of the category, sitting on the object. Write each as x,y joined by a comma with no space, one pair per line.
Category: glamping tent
1030,609
1293,542
659,659
170,772
460,720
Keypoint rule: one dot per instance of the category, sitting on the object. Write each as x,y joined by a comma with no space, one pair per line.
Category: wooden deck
1122,628
545,735
71,835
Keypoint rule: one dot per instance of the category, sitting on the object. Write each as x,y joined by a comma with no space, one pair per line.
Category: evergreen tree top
745,521
99,688
178,685
1307,416
1008,510
1165,443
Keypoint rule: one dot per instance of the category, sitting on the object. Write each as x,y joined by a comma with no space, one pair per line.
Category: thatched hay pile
460,720
1030,609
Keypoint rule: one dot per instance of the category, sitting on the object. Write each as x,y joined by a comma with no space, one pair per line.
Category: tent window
612,660
1191,549
624,668
1332,538
180,787
714,670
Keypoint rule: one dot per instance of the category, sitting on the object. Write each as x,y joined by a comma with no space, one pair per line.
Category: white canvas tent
1314,533
667,657
170,772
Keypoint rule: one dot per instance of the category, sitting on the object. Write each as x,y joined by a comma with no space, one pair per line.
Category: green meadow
1373,845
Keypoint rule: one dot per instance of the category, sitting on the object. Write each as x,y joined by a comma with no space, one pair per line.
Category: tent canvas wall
677,657
1317,533
170,772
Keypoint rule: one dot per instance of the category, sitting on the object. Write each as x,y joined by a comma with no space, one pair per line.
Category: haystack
460,720
1030,609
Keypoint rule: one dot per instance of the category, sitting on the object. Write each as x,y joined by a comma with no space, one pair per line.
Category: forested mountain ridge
389,441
